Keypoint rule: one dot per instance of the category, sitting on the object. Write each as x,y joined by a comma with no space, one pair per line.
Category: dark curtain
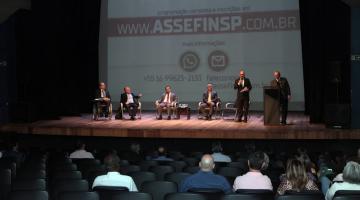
325,31
57,58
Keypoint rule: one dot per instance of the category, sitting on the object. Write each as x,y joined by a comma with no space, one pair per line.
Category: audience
351,180
161,155
205,178
80,152
134,155
254,179
12,152
113,177
217,153
296,178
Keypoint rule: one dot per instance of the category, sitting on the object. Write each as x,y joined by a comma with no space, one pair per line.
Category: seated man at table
102,95
210,98
205,178
130,102
168,101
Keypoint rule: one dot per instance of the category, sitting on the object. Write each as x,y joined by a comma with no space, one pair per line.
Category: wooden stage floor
148,127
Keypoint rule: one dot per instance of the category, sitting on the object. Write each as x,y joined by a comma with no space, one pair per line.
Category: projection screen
147,44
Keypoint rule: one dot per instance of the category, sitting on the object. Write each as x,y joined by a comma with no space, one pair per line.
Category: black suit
283,85
242,99
131,107
211,104
104,105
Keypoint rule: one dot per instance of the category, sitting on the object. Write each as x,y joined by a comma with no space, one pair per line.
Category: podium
271,105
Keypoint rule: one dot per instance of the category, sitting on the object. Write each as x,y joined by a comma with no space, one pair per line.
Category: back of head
256,160
207,163
112,162
296,174
216,147
351,172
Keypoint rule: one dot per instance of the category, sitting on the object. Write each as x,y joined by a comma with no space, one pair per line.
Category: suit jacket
124,99
98,94
237,87
242,95
283,86
173,97
214,97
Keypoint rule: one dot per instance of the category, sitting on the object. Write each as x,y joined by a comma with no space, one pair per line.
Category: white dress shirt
78,154
130,98
219,157
168,98
115,179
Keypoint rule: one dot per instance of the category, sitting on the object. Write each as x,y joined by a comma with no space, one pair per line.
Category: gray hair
351,172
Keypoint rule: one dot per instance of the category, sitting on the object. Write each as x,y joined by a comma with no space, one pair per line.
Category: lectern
271,105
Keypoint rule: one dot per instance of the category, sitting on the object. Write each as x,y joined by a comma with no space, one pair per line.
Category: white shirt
209,97
253,180
115,179
219,157
340,186
130,98
78,154
103,94
168,98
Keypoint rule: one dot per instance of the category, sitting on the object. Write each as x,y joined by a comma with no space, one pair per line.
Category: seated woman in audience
351,180
296,178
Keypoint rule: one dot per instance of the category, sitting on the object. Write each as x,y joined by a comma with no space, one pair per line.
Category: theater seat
29,195
184,196
306,195
79,196
132,196
159,189
347,195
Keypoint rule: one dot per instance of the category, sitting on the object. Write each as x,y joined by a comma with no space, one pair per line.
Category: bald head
207,163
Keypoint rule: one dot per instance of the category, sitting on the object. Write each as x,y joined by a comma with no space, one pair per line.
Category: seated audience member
134,155
205,178
254,179
296,178
161,155
351,177
81,152
168,101
113,177
104,98
217,153
130,102
12,152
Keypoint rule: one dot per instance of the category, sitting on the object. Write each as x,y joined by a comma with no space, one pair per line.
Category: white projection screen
147,44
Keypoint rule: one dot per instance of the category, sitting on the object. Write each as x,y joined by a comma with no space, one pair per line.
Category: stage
148,127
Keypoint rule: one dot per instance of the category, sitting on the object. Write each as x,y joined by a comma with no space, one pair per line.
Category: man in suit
285,94
168,100
243,87
210,98
102,95
130,102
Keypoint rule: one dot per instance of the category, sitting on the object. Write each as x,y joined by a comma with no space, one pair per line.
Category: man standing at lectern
243,87
285,95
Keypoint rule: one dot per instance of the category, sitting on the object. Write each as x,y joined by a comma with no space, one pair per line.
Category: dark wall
325,29
57,58
355,67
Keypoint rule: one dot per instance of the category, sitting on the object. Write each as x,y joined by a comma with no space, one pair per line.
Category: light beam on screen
187,44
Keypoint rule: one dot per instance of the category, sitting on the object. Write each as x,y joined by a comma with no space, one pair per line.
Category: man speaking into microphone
243,87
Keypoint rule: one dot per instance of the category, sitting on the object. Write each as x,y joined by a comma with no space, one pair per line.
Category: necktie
168,98
209,96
